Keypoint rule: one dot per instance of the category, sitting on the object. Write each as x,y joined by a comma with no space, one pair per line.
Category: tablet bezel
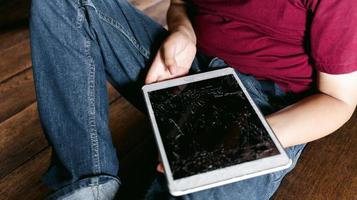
223,175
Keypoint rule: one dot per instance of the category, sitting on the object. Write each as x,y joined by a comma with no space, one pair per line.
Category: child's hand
160,168
173,59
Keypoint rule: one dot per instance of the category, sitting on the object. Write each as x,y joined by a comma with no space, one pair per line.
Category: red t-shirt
278,39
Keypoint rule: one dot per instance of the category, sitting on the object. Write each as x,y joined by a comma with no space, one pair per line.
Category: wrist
277,129
188,32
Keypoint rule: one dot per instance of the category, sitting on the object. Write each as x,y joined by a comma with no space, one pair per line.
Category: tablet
209,132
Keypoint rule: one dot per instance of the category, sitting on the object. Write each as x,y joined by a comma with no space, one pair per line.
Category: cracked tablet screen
208,125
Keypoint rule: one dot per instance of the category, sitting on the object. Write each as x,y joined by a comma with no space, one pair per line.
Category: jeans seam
86,183
213,60
143,51
93,133
95,191
80,18
95,188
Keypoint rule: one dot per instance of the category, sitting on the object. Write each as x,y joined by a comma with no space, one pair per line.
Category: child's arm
318,115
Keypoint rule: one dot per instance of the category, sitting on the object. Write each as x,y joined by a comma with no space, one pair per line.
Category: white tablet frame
221,176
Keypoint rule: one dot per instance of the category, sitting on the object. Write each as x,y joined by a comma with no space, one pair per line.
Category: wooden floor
327,170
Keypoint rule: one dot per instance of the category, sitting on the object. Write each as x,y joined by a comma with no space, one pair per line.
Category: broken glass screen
207,125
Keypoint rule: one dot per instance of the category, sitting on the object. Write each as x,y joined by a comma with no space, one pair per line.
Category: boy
281,49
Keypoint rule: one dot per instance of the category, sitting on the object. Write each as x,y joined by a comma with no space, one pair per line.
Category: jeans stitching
143,51
92,110
80,18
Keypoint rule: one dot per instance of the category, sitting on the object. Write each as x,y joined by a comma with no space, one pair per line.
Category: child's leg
76,45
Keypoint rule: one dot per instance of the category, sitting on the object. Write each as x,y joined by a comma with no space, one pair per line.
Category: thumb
154,70
169,58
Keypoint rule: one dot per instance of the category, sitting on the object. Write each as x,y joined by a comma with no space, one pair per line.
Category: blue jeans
76,46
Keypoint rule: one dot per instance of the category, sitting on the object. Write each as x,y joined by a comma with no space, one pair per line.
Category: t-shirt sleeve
334,36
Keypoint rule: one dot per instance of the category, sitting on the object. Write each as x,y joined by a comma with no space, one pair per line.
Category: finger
160,168
153,73
172,66
169,53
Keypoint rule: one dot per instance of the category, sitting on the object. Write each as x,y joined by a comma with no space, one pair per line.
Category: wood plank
16,94
113,94
15,60
327,168
25,181
12,37
21,138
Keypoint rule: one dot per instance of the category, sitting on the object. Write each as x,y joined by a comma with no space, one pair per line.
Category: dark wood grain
21,138
16,94
25,181
15,60
11,38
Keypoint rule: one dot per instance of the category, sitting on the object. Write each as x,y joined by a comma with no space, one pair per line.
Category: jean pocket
217,63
